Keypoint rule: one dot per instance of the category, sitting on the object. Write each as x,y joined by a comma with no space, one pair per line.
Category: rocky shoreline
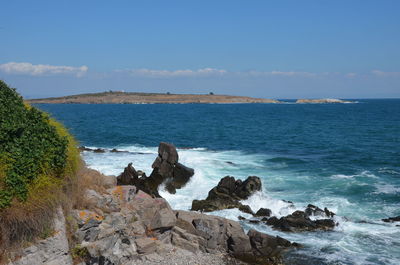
124,220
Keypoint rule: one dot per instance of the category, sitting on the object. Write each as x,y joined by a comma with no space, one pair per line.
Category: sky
270,49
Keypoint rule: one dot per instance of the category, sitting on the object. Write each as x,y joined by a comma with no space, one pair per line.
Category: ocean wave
385,188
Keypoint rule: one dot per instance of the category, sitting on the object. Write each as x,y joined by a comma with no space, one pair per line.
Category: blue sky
271,49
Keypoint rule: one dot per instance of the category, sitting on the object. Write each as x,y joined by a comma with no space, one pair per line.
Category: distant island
119,97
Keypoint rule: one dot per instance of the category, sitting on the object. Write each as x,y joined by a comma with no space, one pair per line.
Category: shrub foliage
35,151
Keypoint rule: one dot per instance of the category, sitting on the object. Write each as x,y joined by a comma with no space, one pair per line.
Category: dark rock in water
263,212
392,219
267,249
84,148
97,150
328,213
114,150
316,211
241,218
128,177
227,193
300,221
254,221
167,152
181,175
245,209
166,170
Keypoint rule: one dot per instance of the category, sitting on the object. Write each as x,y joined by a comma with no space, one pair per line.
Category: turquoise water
345,157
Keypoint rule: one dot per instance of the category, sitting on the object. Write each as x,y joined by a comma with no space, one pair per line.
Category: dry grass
87,179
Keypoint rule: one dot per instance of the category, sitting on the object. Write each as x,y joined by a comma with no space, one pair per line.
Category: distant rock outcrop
166,169
227,195
323,100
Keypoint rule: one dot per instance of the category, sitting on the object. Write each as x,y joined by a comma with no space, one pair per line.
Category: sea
345,157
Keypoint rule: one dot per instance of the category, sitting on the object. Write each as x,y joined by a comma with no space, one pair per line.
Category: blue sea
342,156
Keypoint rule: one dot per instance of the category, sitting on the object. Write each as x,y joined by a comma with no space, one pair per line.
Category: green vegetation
33,148
39,160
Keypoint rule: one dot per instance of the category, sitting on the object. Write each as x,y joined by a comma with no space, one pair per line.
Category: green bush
32,148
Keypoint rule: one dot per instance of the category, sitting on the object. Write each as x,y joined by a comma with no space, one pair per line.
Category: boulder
268,248
263,212
392,219
227,193
313,210
300,221
128,177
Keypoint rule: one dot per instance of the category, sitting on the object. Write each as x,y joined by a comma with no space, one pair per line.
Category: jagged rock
227,193
128,177
300,221
263,212
181,175
245,209
392,219
313,210
166,169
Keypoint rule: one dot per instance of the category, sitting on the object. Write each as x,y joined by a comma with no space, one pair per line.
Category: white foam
386,188
341,176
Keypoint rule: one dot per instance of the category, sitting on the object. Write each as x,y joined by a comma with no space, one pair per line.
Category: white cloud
210,72
175,73
41,69
351,75
385,74
280,73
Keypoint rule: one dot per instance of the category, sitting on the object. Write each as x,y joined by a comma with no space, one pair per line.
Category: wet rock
227,193
99,150
114,150
392,219
313,210
300,221
181,175
245,209
263,212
